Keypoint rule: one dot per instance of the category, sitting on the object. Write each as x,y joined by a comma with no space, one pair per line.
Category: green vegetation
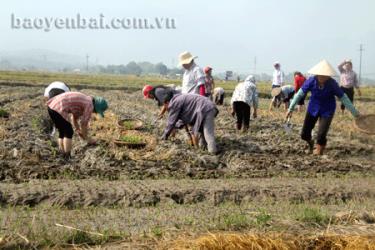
235,221
312,215
4,113
129,125
134,139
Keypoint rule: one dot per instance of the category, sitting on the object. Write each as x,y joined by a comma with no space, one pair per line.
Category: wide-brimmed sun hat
323,68
275,92
185,58
100,105
365,123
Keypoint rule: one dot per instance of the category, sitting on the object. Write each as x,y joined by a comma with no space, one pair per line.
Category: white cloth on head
193,78
246,92
278,78
56,85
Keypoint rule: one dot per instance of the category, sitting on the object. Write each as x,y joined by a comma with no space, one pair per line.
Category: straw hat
276,92
185,58
323,69
365,123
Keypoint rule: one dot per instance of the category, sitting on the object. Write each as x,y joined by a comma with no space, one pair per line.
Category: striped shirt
79,105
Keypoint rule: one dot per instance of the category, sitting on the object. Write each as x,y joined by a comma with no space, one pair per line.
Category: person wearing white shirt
244,96
278,76
193,81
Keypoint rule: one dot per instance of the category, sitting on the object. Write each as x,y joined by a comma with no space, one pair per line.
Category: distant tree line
133,68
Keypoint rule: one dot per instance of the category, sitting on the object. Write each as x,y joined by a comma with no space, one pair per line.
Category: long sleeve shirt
322,100
246,92
190,109
192,80
348,78
278,78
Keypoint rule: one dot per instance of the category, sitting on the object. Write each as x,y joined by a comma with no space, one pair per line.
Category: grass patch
263,218
236,221
312,216
4,113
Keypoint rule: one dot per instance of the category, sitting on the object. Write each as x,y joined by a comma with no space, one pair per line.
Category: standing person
218,95
348,80
282,95
162,94
55,88
278,76
77,106
210,84
322,104
299,80
244,96
193,81
198,112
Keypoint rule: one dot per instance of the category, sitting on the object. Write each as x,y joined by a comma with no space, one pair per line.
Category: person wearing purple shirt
322,104
198,112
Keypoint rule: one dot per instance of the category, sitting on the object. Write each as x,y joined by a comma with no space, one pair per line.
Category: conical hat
323,69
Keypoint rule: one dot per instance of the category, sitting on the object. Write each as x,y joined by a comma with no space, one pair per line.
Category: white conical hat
323,69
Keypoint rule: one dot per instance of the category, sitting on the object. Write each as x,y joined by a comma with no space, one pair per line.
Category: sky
226,35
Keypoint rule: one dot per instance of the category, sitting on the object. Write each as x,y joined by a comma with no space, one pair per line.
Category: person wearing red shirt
299,80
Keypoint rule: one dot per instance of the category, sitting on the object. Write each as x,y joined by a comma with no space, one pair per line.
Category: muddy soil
27,151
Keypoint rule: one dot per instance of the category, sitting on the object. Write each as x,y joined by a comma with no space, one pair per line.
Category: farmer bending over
161,94
198,112
281,95
77,106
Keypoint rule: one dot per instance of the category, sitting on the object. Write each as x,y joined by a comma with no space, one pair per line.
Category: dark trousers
242,110
63,126
309,124
350,93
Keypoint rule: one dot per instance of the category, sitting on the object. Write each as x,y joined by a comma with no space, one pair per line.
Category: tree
161,68
133,69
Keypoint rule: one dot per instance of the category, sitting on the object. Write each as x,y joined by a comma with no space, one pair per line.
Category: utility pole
360,62
87,62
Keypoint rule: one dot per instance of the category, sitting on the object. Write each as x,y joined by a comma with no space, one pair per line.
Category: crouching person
218,96
198,112
74,108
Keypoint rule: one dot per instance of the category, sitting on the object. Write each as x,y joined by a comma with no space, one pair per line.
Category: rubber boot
319,150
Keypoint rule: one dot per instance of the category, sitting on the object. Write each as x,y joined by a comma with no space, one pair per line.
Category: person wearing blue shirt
322,104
